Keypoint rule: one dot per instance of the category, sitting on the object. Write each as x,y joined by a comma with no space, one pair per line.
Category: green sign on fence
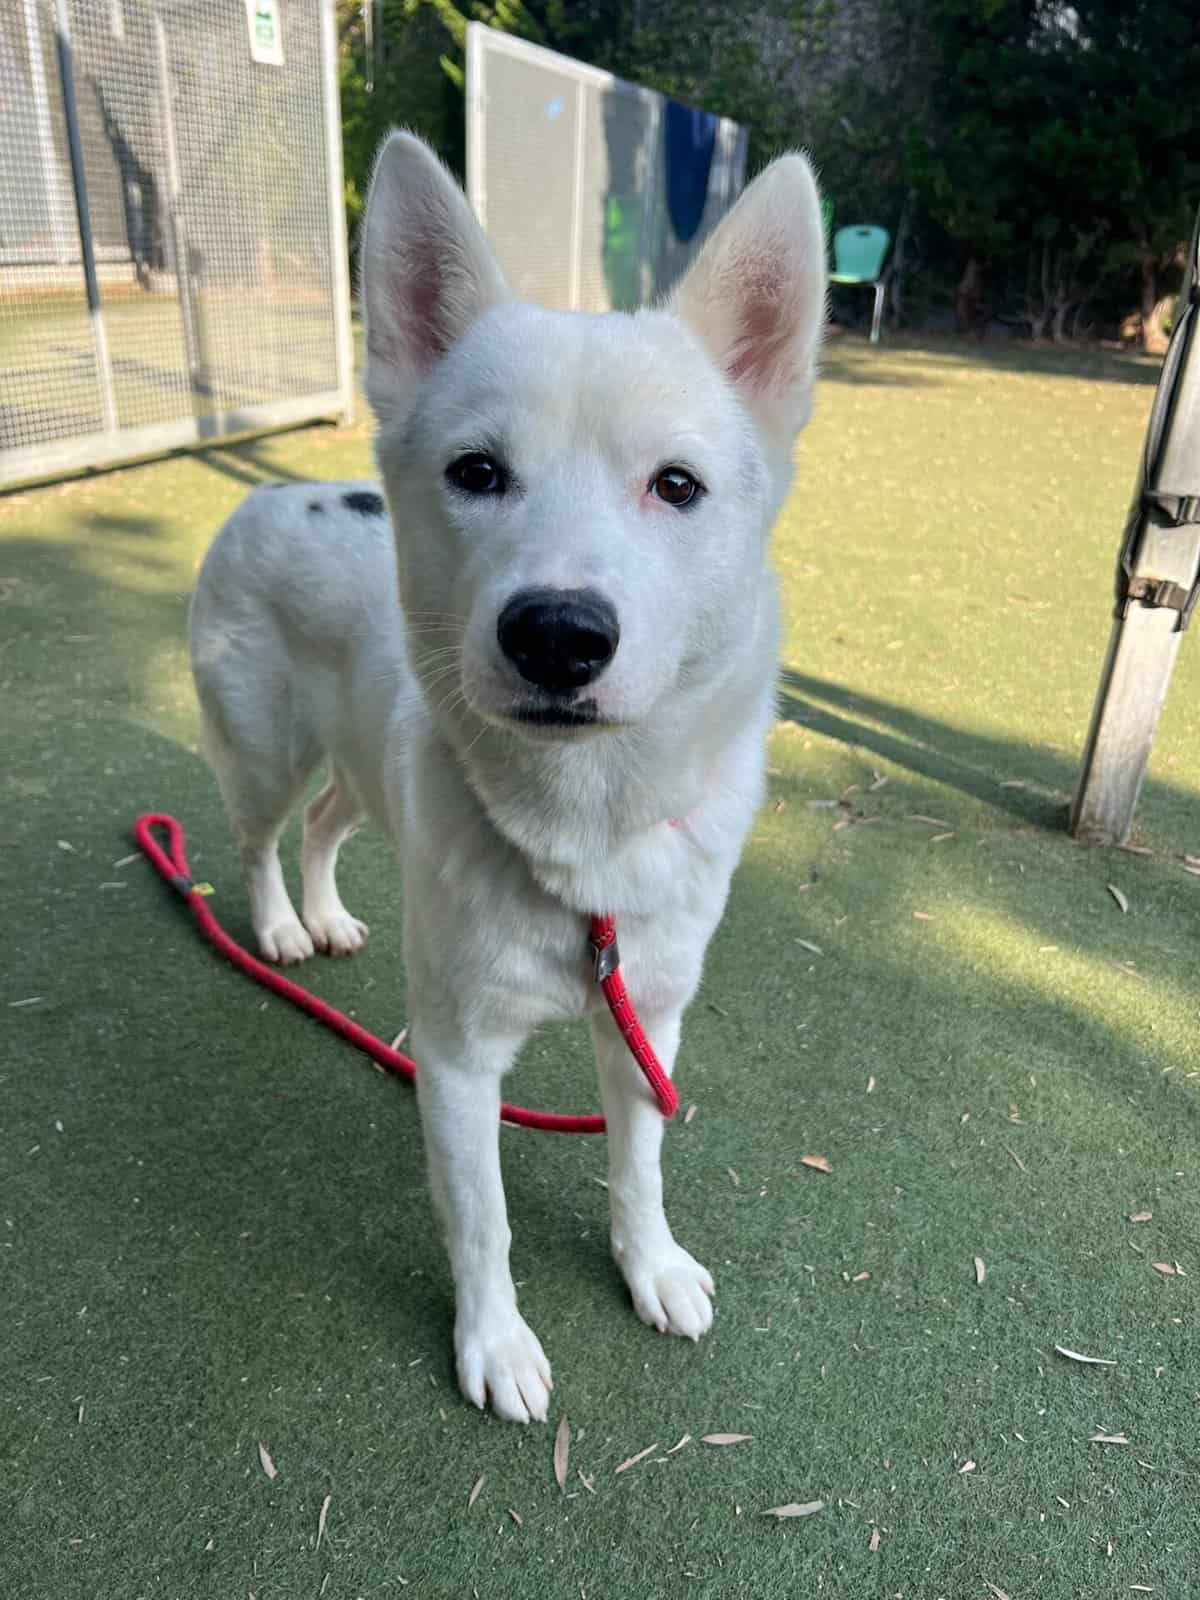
266,37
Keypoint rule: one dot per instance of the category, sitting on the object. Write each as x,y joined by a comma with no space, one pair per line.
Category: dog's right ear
755,295
427,271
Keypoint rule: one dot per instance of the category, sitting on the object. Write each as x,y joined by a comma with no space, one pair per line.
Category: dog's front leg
670,1289
498,1356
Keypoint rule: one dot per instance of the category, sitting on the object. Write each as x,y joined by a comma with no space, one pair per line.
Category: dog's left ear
756,295
427,271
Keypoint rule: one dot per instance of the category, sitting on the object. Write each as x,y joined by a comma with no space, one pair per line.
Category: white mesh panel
577,210
209,184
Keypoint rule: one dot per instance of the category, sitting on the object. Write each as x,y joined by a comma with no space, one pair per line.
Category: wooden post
1158,571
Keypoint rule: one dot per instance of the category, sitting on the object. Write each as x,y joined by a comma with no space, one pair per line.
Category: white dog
551,686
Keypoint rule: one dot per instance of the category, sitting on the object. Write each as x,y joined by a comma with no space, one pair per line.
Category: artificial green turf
215,1227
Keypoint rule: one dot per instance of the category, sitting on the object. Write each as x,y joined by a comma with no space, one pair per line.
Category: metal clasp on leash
606,958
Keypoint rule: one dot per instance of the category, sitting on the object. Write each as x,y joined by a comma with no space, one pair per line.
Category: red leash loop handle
171,865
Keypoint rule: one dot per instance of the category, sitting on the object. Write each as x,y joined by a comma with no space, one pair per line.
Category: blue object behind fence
691,135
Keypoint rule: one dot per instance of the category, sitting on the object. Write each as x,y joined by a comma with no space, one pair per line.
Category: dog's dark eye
476,473
676,487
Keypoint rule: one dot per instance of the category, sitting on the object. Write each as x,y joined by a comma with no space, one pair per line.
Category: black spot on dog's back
365,501
315,505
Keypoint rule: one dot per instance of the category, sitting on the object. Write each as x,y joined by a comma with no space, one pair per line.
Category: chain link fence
172,246
569,171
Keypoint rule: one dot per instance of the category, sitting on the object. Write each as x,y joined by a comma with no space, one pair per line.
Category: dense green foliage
1037,162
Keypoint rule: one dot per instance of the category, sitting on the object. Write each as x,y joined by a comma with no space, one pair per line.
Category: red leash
171,864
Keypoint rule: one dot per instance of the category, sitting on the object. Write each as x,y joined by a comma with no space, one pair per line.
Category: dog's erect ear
427,271
756,295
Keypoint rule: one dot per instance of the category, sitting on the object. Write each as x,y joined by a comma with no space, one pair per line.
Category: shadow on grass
852,359
972,763
250,462
1032,782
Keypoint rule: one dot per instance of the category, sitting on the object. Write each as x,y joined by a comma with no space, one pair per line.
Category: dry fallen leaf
517,1517
689,1113
687,1439
1169,1269
1107,1438
871,1084
874,1544
860,1277
323,1514
1016,1158
817,1163
268,1465
940,838
1140,1216
997,1591
476,1489
562,1450
726,1438
1090,1361
1118,897
632,1461
807,944
980,1269
967,1466
807,1509
735,1179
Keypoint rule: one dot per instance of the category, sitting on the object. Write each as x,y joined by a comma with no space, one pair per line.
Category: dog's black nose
559,639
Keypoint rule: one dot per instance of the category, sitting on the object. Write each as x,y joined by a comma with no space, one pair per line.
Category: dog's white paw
285,942
501,1361
335,931
671,1291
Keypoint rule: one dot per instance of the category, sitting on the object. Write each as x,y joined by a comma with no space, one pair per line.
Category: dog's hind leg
260,789
331,818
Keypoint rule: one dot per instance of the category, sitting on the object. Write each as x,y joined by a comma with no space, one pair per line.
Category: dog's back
316,559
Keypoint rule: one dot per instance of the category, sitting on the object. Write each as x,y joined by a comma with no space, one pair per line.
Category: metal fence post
66,72
199,378
41,116
339,251
476,99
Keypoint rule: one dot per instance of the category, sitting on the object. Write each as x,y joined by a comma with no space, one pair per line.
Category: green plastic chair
858,257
